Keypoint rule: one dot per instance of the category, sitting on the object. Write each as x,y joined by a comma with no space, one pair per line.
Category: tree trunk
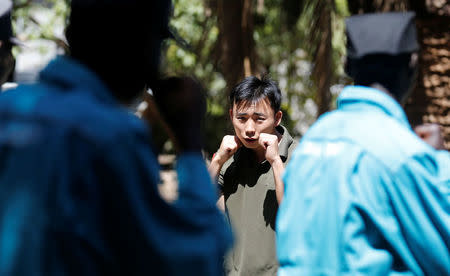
235,43
430,101
322,71
372,6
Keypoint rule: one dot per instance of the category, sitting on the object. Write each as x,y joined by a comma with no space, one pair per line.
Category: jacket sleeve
422,204
188,237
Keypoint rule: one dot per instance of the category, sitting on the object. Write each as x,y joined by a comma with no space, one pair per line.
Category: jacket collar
355,95
67,72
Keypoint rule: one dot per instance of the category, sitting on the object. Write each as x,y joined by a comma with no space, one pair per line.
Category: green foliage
196,23
40,20
342,8
281,48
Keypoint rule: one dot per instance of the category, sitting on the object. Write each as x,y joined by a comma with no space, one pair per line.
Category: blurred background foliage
298,43
280,49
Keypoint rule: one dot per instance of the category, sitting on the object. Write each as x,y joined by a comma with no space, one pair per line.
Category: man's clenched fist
229,145
270,144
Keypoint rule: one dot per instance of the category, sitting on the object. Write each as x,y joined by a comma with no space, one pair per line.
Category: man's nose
250,128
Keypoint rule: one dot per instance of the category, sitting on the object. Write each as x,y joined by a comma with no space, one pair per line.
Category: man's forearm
221,203
278,170
214,168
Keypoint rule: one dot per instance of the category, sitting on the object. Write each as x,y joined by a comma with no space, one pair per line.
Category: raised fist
270,144
229,145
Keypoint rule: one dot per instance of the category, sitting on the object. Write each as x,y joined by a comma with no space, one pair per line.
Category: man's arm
221,203
270,143
227,148
422,204
229,145
278,170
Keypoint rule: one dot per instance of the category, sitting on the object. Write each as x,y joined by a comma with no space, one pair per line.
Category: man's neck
383,89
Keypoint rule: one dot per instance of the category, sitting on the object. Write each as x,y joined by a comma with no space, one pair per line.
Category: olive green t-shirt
251,207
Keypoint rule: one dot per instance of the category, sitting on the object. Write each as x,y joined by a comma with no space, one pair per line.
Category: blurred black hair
253,89
393,72
120,41
7,64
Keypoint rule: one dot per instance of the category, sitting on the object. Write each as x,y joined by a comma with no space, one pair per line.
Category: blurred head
7,62
120,40
7,40
382,49
255,109
395,73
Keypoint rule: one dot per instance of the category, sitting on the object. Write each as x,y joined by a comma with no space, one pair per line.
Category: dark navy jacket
78,188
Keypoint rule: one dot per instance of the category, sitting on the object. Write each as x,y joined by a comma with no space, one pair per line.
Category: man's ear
230,112
278,117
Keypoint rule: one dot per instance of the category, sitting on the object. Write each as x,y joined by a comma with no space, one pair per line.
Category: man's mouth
250,140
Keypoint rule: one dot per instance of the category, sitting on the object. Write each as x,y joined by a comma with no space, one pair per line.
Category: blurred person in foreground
78,180
364,194
7,41
249,166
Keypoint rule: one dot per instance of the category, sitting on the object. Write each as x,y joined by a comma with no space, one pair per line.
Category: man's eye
260,119
241,118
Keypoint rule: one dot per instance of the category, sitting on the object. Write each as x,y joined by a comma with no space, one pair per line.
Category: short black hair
253,89
383,69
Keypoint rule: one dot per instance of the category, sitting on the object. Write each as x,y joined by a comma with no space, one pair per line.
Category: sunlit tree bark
430,100
236,54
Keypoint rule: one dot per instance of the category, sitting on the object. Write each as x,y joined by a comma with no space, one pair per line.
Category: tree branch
22,5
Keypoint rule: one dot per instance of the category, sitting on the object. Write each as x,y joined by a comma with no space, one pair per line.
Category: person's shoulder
109,124
293,142
388,140
76,111
430,163
292,148
288,143
395,143
397,146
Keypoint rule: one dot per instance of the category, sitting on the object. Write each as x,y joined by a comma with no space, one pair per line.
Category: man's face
251,119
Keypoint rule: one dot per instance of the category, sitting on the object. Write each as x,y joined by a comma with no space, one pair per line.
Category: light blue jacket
364,195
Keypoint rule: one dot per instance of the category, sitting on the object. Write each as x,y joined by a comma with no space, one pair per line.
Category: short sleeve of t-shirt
221,178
